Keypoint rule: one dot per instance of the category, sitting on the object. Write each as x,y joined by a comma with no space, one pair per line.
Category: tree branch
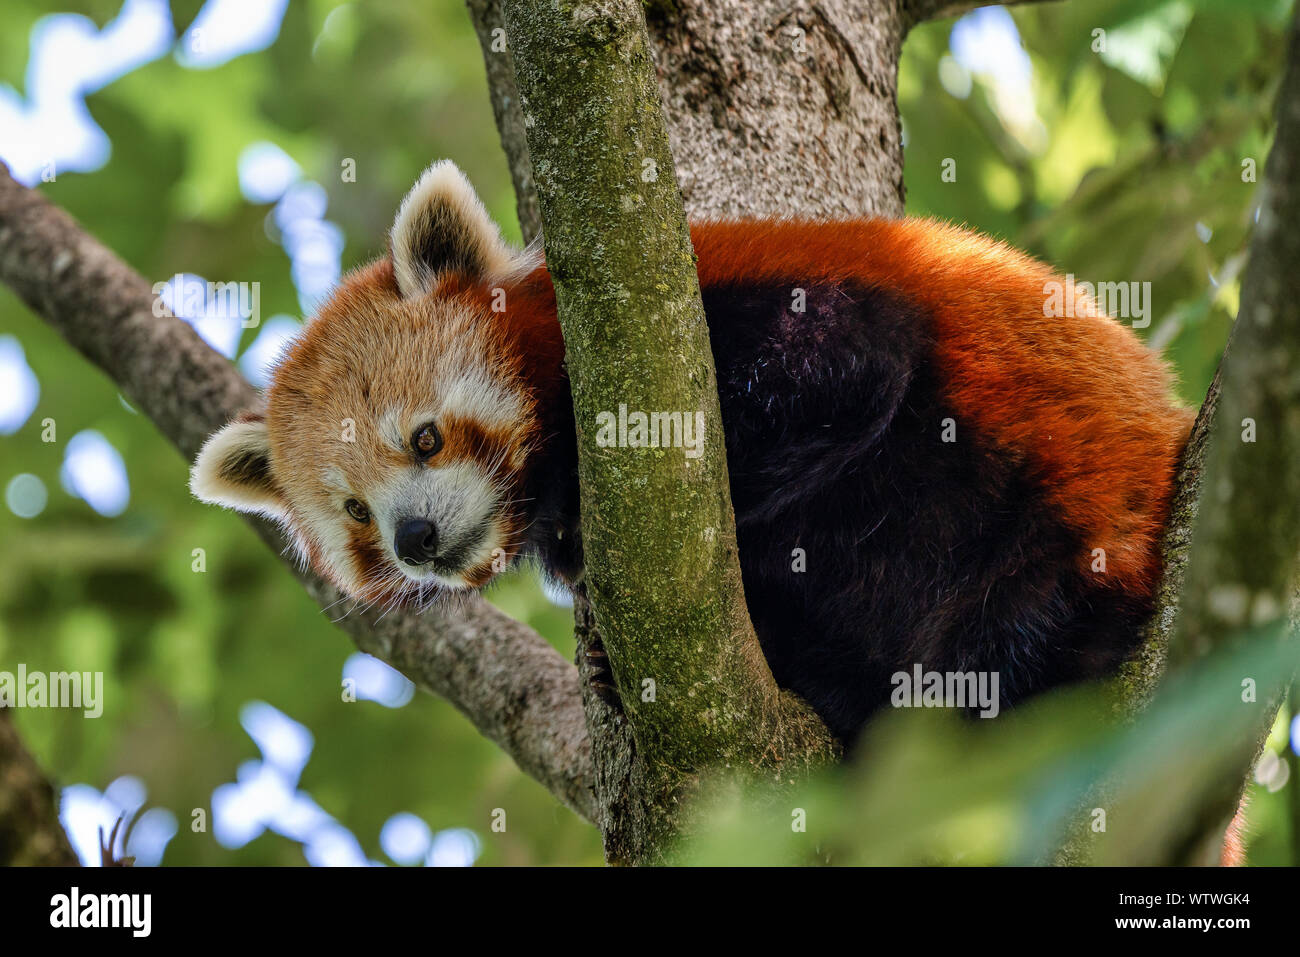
1141,674
918,11
1231,560
659,540
516,688
30,832
490,27
611,738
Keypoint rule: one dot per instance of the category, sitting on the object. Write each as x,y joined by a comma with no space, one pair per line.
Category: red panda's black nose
416,541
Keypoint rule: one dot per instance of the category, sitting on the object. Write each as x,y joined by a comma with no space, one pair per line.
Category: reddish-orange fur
1110,475
1009,378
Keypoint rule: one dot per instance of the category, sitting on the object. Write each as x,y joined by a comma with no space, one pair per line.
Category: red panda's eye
357,510
426,441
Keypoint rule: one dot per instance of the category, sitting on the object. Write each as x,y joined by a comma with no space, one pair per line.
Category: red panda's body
972,485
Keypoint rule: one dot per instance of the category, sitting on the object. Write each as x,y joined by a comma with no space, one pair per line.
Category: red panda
973,485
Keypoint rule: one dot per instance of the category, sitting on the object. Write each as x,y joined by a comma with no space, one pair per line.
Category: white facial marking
392,428
332,478
474,395
331,531
460,502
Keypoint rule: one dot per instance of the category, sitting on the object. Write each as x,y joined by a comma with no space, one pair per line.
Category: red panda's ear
234,469
441,228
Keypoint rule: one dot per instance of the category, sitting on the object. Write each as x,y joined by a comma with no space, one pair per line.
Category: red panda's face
396,429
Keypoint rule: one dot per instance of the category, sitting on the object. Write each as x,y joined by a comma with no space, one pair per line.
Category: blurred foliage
1130,172
931,787
1128,168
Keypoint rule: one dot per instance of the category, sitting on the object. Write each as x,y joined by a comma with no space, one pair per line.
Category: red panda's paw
593,666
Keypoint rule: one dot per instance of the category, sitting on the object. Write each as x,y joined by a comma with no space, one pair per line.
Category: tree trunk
783,109
662,570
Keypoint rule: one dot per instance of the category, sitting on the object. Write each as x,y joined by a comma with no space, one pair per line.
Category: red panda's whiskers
341,598
345,614
500,459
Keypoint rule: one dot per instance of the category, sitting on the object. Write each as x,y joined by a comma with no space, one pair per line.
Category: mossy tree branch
662,570
1232,543
1245,559
1141,674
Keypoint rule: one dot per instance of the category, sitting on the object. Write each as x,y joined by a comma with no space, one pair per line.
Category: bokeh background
210,140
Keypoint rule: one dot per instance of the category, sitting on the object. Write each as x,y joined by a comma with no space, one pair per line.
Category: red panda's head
397,426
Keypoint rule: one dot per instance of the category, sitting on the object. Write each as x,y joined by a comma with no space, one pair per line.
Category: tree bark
505,678
1232,557
497,56
779,108
30,832
1141,674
